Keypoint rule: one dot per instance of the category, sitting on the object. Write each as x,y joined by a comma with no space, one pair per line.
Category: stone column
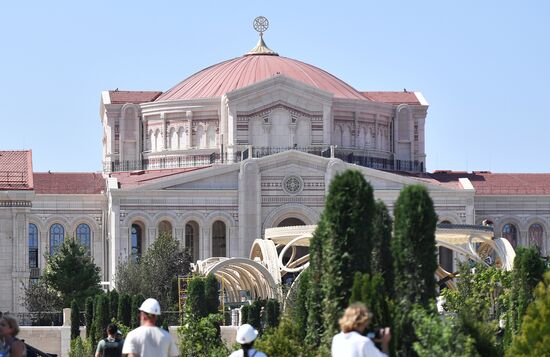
250,208
327,124
206,240
113,237
189,115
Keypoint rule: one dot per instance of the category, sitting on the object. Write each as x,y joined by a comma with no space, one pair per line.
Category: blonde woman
10,345
351,342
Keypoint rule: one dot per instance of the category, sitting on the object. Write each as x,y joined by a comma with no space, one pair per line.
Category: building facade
247,144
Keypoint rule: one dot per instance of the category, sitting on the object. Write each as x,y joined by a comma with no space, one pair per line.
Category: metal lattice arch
272,258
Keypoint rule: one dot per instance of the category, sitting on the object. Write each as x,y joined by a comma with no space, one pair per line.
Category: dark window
57,236
33,246
510,232
83,236
136,241
165,228
218,239
536,233
291,221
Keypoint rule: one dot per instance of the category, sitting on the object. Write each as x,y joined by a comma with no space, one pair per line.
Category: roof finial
261,24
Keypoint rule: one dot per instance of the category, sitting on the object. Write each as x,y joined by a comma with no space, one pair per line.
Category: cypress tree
272,312
527,273
244,314
196,298
124,313
414,258
314,295
101,317
89,315
382,261
137,300
211,294
357,288
113,303
75,320
254,315
299,308
347,247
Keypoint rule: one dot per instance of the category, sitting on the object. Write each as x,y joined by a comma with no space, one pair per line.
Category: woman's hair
356,315
246,347
12,323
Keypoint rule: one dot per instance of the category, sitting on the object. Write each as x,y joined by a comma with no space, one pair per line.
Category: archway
290,222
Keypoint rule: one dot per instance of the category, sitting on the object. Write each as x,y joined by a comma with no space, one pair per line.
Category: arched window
218,239
57,236
83,236
446,256
290,222
33,246
165,228
136,238
510,232
535,235
192,239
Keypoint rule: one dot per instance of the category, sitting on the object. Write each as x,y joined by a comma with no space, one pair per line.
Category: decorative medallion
293,184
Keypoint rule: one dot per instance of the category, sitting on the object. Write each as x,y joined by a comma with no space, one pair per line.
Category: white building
241,146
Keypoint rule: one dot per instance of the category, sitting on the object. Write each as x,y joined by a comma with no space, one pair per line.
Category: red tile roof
16,170
136,97
68,183
240,72
134,179
487,183
393,97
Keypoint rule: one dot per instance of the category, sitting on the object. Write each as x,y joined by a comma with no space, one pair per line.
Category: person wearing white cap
148,340
246,335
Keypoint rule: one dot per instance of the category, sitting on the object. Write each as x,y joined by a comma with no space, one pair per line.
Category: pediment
227,181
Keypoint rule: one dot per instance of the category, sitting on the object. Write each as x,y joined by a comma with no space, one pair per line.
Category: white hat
150,306
246,334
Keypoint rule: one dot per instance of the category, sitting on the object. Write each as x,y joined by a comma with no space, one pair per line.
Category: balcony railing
357,157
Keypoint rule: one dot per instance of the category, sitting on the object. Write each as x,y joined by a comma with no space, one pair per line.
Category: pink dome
243,71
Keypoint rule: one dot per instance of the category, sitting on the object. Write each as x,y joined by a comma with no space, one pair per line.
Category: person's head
8,326
246,334
111,330
149,311
355,318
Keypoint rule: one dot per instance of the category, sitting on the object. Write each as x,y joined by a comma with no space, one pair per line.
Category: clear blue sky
482,65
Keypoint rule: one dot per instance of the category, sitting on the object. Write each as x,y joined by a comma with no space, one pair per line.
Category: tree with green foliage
370,291
254,315
153,274
113,304
195,297
201,337
313,299
534,335
440,337
89,315
382,260
42,299
414,259
298,310
101,317
345,235
211,294
528,271
284,341
124,313
72,272
272,313
80,348
75,320
137,300
245,309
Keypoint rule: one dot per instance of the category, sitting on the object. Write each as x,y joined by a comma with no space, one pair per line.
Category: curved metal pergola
273,257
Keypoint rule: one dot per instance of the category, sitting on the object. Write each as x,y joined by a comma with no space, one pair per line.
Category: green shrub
89,315
272,312
124,313
137,300
283,341
200,337
211,294
254,315
245,310
196,299
81,348
113,304
75,320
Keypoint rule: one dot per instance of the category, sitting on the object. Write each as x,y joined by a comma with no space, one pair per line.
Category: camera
374,334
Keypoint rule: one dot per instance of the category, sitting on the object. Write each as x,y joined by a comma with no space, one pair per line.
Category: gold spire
261,48
261,24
